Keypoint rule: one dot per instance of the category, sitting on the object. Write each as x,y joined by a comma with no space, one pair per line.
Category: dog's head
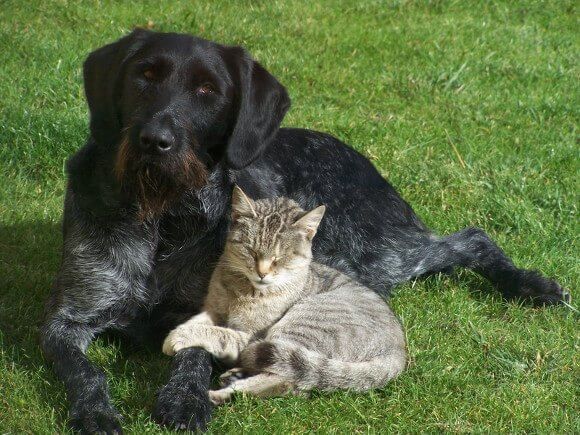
170,105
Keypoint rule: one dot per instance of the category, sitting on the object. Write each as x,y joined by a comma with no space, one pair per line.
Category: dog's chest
185,261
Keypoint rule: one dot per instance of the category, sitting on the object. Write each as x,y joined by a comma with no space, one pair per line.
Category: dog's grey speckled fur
141,265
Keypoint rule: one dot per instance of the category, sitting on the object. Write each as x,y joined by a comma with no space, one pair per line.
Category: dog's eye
205,89
149,74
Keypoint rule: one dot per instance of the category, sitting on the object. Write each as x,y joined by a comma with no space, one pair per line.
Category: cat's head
270,240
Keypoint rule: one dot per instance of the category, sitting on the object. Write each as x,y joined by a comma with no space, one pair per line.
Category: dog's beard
155,185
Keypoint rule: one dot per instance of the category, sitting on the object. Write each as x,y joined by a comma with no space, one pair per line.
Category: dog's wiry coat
144,272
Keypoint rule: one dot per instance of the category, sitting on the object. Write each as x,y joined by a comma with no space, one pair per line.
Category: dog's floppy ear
261,103
101,72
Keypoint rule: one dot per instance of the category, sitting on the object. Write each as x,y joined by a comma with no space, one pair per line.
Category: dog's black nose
156,139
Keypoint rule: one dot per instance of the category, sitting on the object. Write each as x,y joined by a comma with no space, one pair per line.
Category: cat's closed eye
252,253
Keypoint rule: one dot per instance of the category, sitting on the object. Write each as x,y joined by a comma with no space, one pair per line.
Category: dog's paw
219,397
96,418
540,290
231,376
182,405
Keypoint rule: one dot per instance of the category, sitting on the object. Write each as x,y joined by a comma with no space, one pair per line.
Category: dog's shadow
30,254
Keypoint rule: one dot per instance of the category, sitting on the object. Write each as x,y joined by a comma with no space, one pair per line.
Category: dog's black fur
175,121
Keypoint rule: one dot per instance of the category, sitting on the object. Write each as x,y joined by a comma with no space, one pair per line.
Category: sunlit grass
470,108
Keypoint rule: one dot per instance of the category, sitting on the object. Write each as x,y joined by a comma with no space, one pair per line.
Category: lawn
470,108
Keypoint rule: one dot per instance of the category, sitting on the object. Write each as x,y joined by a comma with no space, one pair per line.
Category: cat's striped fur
286,322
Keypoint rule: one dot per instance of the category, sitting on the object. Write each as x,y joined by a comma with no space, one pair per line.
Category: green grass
470,108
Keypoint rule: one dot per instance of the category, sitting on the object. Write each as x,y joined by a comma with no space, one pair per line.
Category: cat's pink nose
263,267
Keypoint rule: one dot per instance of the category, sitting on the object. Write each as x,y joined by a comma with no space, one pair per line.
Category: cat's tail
307,369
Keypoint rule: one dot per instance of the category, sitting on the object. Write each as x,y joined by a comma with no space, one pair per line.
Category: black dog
175,121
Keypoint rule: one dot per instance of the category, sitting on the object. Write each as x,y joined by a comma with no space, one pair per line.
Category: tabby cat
286,323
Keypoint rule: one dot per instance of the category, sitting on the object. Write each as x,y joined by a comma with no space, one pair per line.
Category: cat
287,323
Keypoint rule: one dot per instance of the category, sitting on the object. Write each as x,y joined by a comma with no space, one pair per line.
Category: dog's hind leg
473,248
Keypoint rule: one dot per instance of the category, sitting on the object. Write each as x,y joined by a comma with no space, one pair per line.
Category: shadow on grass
480,289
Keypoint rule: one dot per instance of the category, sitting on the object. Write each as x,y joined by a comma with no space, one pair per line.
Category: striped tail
308,369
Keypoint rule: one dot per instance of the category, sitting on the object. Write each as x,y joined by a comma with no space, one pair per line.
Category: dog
175,121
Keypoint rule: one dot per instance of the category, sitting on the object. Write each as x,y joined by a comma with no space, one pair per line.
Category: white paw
174,342
218,397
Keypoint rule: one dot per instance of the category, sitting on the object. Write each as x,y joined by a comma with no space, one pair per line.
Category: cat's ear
241,204
310,221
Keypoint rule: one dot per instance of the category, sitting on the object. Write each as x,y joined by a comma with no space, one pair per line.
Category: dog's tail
307,369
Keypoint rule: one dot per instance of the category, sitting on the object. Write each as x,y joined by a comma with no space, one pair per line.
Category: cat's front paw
175,341
219,397
231,376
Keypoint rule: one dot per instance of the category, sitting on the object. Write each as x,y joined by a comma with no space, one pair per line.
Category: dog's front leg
64,344
103,281
183,403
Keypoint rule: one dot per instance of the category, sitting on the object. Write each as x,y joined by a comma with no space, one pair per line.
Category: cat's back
328,283
340,318
342,294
